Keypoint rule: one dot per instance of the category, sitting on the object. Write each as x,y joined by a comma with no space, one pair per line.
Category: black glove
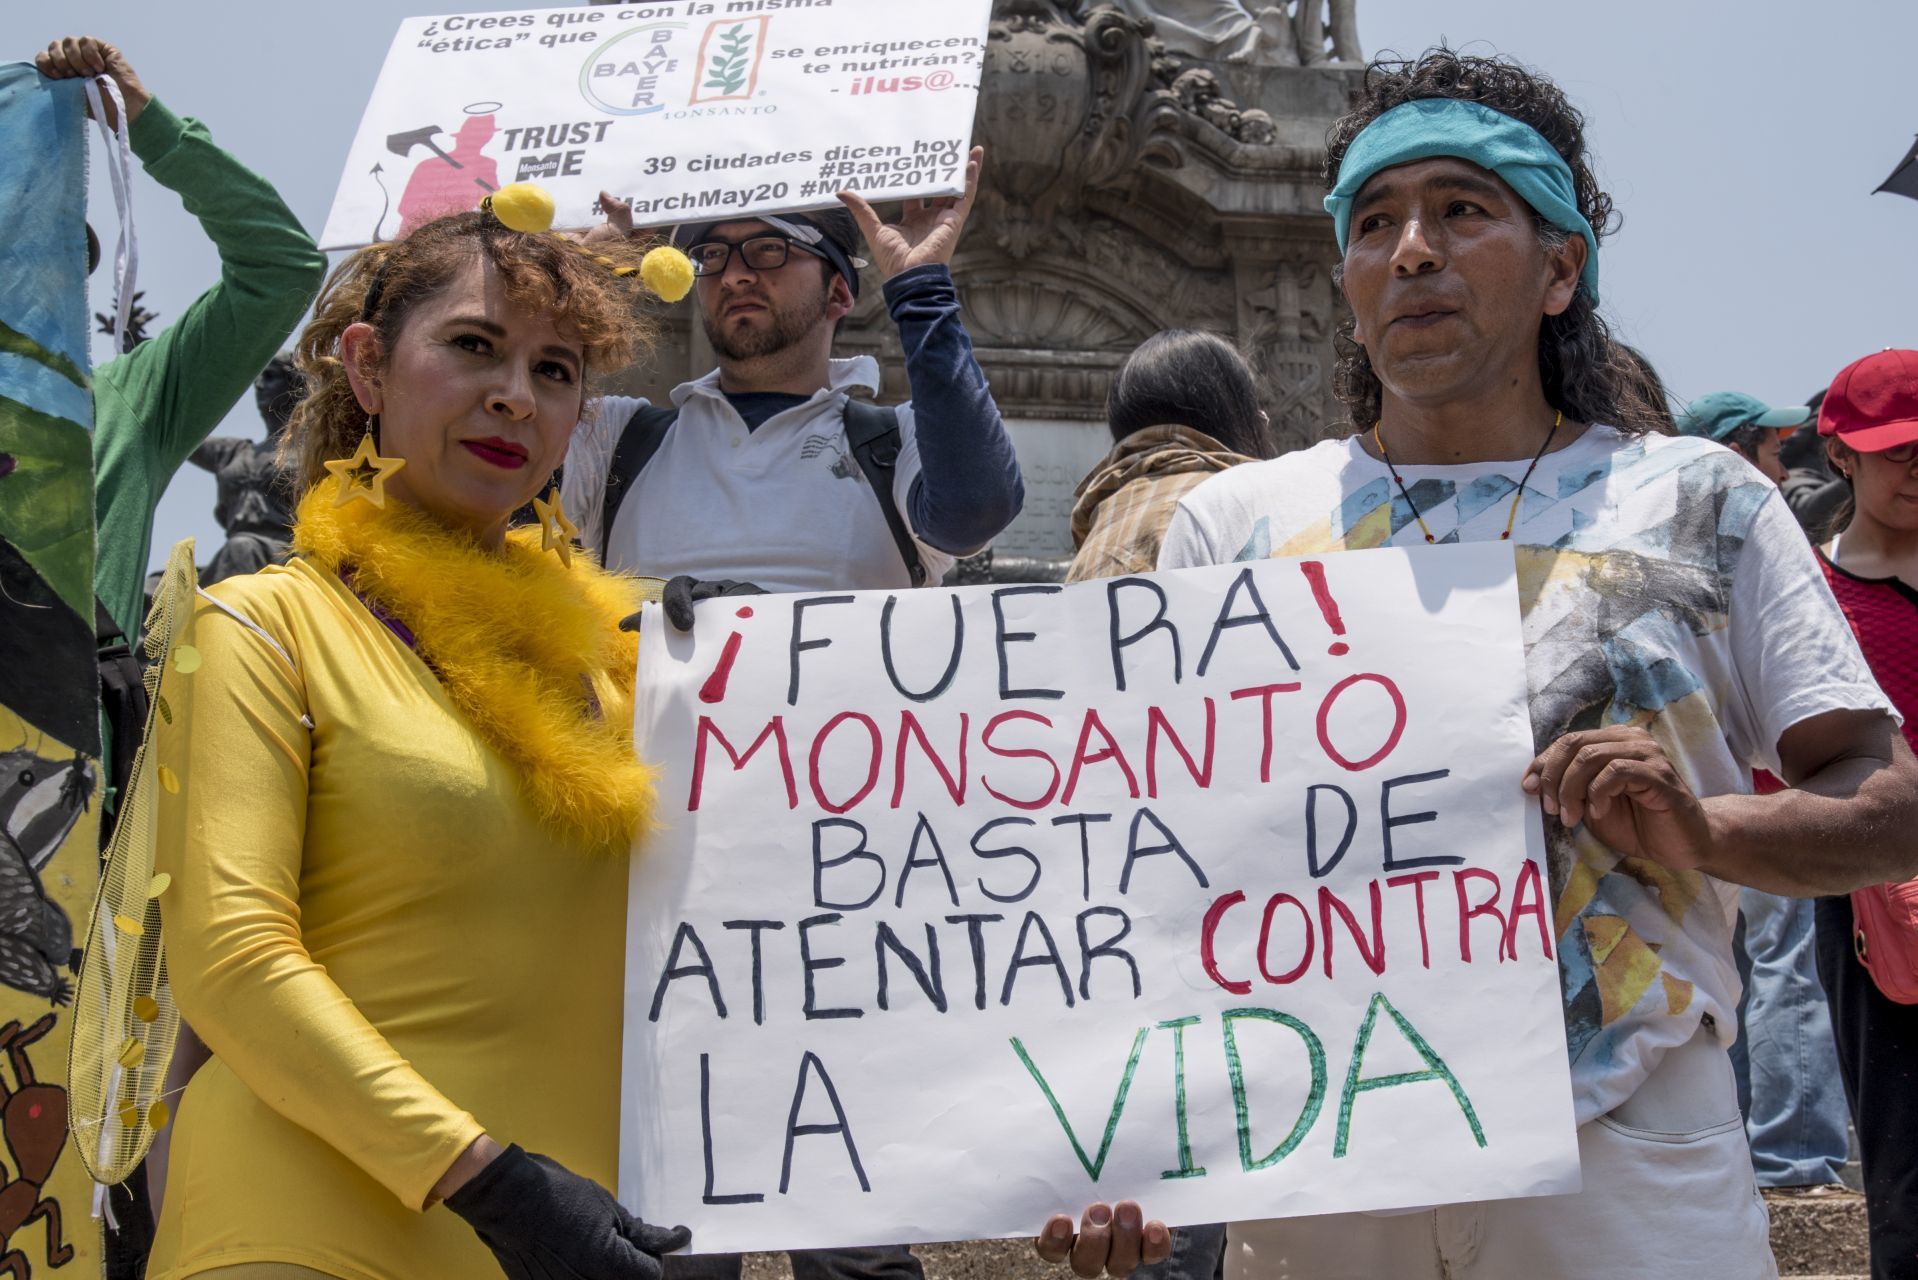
543,1222
682,592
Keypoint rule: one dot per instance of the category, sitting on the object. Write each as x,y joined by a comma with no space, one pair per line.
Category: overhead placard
1215,889
690,108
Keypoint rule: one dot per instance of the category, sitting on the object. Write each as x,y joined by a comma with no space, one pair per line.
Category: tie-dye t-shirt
1664,583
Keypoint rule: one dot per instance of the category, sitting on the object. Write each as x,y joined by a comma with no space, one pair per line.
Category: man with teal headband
1747,424
1678,635
1429,128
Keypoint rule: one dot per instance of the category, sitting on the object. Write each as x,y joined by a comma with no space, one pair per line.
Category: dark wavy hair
1187,378
1587,373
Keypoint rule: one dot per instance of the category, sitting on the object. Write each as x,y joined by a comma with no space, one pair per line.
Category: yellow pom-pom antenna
667,272
525,206
522,206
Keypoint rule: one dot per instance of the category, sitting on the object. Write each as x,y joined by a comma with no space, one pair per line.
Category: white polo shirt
784,506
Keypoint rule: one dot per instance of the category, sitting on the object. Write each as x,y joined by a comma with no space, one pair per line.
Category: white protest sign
1215,889
690,108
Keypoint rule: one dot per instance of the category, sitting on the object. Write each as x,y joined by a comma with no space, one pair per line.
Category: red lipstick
503,454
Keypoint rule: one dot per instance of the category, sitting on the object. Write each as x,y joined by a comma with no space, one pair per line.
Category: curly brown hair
382,284
1587,373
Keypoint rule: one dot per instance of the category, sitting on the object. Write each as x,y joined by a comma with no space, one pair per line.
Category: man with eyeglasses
772,470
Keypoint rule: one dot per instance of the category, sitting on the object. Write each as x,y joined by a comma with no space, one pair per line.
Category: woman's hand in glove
544,1222
683,592
680,595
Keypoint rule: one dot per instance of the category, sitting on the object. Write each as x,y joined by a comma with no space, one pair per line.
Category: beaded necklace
1511,518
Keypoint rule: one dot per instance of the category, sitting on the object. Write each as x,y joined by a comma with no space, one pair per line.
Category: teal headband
1490,139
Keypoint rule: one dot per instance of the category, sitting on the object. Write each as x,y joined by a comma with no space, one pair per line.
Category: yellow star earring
364,474
556,532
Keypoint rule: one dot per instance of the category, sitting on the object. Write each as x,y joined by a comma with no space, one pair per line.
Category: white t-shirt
1665,583
784,506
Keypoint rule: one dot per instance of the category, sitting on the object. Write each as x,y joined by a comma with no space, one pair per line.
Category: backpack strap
123,695
873,434
639,440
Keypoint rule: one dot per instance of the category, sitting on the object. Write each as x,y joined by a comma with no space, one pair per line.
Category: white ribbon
126,253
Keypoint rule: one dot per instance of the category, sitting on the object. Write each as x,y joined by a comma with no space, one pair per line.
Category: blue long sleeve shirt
969,487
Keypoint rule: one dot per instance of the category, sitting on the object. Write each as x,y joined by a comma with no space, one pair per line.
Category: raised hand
618,224
928,231
74,56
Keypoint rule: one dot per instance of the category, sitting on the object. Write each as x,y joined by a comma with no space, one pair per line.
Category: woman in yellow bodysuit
400,792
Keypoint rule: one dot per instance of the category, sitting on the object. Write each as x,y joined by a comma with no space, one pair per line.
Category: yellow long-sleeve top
383,947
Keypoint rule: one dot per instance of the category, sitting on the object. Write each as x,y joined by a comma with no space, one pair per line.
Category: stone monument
1253,31
253,501
1150,166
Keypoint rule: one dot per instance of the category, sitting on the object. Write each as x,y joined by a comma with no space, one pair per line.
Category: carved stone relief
1127,190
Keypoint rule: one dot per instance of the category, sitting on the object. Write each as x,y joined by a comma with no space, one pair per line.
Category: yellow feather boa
515,638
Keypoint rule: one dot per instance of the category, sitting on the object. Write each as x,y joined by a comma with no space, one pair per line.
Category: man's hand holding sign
1620,784
927,231
1111,1240
1206,891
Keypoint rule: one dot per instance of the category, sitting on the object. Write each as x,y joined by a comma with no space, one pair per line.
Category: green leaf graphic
727,69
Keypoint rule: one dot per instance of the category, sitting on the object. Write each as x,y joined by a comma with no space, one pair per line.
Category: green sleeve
153,405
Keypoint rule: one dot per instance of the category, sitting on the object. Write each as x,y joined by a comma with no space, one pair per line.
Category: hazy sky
1741,141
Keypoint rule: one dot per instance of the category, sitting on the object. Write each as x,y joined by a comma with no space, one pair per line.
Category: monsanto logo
729,57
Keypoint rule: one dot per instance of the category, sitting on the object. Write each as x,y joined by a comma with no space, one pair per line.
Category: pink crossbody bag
1884,935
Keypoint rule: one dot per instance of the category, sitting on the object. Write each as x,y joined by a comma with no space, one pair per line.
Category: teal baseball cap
1722,412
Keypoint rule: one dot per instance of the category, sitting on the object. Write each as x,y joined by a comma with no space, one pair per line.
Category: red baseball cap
1873,403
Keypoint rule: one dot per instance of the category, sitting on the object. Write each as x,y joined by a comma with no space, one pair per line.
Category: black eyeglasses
1899,455
761,253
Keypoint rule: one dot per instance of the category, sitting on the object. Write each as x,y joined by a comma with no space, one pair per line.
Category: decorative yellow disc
159,885
146,1008
523,206
128,925
132,1053
667,272
166,712
158,1114
130,1115
170,780
186,659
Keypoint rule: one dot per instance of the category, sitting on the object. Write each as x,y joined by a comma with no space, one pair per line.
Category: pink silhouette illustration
446,182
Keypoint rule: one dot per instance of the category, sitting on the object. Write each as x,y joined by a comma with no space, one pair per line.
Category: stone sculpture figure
1314,31
1221,30
254,500
1199,92
1331,37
